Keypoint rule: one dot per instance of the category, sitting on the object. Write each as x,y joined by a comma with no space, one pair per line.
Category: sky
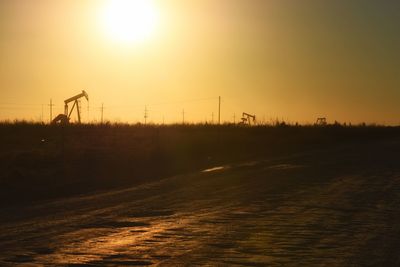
278,59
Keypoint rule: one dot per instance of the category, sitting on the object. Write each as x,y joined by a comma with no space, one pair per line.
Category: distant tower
145,114
102,112
219,110
51,110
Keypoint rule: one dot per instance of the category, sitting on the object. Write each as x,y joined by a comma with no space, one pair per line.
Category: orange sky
292,60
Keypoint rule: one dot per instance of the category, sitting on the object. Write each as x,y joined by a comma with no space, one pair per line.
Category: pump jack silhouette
64,118
248,119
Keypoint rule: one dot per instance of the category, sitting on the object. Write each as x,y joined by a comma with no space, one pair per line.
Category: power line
17,104
184,101
23,108
41,108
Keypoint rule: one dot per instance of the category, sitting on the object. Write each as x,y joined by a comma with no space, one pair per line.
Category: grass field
41,162
120,195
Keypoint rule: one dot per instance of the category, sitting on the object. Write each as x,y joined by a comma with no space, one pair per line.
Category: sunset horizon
281,60
199,133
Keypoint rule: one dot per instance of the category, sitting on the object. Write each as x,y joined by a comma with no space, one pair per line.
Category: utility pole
219,110
41,118
234,118
183,116
88,112
212,118
51,110
145,115
102,112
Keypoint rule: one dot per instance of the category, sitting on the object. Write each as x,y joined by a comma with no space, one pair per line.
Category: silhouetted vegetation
42,161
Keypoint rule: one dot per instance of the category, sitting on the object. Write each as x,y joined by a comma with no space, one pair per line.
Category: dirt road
336,207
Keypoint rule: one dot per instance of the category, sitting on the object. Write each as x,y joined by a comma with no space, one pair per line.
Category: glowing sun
129,20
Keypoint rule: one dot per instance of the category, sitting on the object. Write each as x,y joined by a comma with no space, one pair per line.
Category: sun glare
130,21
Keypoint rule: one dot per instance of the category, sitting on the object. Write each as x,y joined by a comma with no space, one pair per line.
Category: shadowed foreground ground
335,207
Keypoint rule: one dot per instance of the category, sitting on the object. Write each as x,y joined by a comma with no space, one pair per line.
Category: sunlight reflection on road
258,213
219,168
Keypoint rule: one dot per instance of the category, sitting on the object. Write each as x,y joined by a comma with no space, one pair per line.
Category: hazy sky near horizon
287,59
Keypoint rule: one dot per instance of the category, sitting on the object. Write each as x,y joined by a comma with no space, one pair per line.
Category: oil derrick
321,122
65,118
248,119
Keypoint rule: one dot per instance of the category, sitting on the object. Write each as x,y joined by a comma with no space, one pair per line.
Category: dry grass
41,161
